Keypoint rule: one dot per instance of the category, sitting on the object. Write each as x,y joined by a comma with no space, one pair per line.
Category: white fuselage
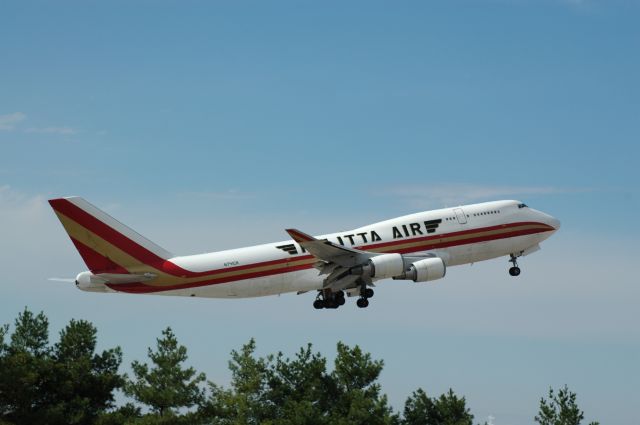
458,235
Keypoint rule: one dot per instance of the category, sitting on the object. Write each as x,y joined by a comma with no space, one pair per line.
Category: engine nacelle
381,266
385,266
87,281
425,270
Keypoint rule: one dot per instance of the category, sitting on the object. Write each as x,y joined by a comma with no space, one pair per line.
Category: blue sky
211,125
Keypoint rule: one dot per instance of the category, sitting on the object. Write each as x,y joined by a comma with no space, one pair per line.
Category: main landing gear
365,294
328,299
515,270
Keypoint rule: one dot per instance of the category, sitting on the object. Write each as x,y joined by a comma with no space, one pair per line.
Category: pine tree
65,384
560,409
418,409
246,402
357,397
448,409
24,368
83,383
275,390
166,385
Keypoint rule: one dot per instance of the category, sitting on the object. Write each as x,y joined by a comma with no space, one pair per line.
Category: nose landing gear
515,270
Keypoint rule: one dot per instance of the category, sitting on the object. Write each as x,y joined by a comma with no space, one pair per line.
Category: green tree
83,381
127,414
418,409
276,390
452,410
448,409
300,389
246,402
560,409
65,384
166,385
357,398
24,367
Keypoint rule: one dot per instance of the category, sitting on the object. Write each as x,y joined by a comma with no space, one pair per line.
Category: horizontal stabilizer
118,279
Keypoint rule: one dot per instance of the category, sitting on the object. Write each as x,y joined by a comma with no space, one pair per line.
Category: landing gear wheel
340,300
331,304
515,270
318,304
368,293
362,302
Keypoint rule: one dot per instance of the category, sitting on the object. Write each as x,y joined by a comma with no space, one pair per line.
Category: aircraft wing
328,251
334,260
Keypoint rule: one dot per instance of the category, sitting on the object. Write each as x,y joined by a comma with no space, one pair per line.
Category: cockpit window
522,206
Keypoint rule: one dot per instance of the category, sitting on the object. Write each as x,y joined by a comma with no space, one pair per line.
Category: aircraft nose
548,220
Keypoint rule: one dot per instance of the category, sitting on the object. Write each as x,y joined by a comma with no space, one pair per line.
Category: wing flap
328,251
334,260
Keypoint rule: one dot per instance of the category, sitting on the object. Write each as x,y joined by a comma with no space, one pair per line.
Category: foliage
166,386
126,414
283,391
24,370
560,409
68,383
448,409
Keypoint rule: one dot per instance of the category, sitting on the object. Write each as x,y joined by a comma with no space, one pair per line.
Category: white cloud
8,121
12,201
449,194
65,131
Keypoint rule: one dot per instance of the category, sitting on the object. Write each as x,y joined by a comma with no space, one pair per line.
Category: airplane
417,247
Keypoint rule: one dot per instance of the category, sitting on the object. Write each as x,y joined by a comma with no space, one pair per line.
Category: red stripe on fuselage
147,257
144,288
175,270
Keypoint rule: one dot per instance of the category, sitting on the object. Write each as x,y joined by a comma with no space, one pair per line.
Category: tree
560,409
23,369
418,409
83,381
166,385
452,410
65,384
246,402
448,409
276,390
300,389
127,414
357,398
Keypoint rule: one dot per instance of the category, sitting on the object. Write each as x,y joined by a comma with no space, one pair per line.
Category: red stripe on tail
96,262
107,233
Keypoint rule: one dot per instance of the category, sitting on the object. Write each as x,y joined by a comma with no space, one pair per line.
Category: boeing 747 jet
417,247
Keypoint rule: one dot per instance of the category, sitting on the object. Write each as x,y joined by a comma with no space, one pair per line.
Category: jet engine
382,266
424,270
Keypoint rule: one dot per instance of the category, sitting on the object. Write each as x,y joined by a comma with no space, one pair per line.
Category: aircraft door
462,218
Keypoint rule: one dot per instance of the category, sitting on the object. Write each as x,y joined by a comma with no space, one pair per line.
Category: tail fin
105,244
